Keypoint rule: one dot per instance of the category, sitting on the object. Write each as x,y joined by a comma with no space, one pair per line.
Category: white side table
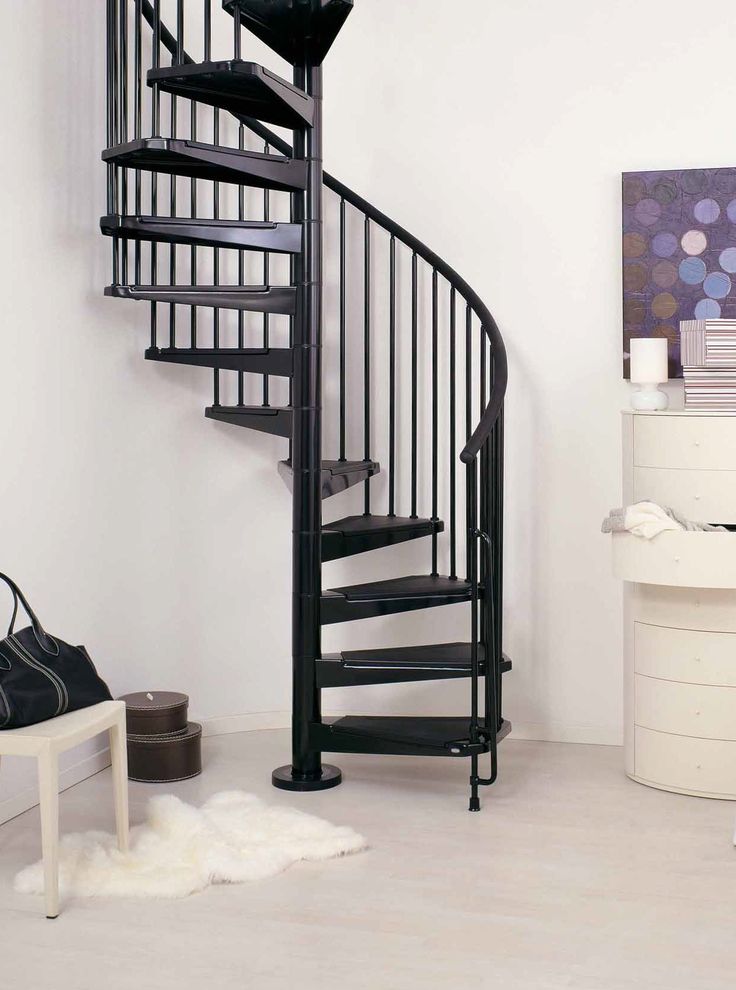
680,605
45,742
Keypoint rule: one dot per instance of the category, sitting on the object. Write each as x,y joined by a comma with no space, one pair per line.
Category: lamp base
649,398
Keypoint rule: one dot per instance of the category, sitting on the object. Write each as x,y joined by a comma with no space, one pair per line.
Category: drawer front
707,496
685,709
703,443
680,559
706,766
685,655
709,609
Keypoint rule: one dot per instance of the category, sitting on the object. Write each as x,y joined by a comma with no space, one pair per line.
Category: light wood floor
571,876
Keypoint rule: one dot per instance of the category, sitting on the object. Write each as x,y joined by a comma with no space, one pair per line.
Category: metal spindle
193,211
172,212
123,78
435,412
472,484
468,427
392,381
179,33
414,380
237,37
453,439
468,372
241,274
111,126
367,357
138,124
156,127
208,30
266,281
342,329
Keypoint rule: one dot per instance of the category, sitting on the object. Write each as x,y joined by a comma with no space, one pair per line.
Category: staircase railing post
306,771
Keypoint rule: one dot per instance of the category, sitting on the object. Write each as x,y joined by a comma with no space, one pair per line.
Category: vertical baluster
342,329
138,125
111,126
208,30
179,32
156,128
215,201
414,380
482,389
367,273
237,37
266,281
193,254
472,500
392,381
468,421
123,80
435,411
453,438
241,271
176,59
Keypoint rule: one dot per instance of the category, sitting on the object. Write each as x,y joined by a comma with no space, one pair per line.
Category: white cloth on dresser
647,519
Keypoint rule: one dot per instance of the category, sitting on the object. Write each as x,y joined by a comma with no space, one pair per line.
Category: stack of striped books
708,355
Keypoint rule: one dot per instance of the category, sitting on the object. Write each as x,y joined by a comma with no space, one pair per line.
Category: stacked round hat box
163,745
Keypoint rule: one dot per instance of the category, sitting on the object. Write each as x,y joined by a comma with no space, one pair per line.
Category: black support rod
306,771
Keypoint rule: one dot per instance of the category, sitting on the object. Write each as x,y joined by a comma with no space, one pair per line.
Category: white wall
161,540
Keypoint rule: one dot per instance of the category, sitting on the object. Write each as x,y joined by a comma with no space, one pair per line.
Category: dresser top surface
696,413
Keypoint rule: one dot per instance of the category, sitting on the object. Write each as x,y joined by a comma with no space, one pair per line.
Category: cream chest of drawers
680,605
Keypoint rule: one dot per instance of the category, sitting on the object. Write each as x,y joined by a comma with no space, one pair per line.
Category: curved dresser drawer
685,560
703,767
706,496
698,442
685,709
685,655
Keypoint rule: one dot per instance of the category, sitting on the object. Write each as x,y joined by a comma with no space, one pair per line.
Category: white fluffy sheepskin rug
233,838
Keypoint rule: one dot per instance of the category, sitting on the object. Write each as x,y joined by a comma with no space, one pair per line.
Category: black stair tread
353,525
449,655
360,534
175,156
415,586
241,88
337,476
258,360
254,235
266,419
279,299
293,29
436,732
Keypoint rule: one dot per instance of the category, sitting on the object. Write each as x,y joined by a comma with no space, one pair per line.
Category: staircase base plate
284,779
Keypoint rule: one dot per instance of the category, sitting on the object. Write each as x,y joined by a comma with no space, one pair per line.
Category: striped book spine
708,343
710,388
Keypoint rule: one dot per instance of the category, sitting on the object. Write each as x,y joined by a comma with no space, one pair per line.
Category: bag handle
45,641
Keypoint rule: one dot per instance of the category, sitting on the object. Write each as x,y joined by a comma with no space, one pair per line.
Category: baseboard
223,725
560,732
27,799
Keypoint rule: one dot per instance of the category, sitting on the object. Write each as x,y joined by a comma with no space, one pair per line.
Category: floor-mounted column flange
286,780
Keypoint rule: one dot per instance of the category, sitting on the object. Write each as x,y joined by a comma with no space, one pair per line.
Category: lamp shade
648,360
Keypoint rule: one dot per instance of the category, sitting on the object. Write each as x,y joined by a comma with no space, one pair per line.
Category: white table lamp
648,365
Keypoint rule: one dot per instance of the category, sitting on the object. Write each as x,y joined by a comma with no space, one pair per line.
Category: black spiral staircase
436,400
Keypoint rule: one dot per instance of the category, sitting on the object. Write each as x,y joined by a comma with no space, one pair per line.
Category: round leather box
166,757
150,713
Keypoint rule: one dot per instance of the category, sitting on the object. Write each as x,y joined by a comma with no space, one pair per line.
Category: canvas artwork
679,253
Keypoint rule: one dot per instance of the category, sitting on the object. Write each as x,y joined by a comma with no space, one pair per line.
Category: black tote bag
41,676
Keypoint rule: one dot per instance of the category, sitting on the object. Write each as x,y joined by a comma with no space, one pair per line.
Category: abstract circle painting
679,252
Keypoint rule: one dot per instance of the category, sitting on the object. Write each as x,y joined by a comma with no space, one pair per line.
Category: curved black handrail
498,350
